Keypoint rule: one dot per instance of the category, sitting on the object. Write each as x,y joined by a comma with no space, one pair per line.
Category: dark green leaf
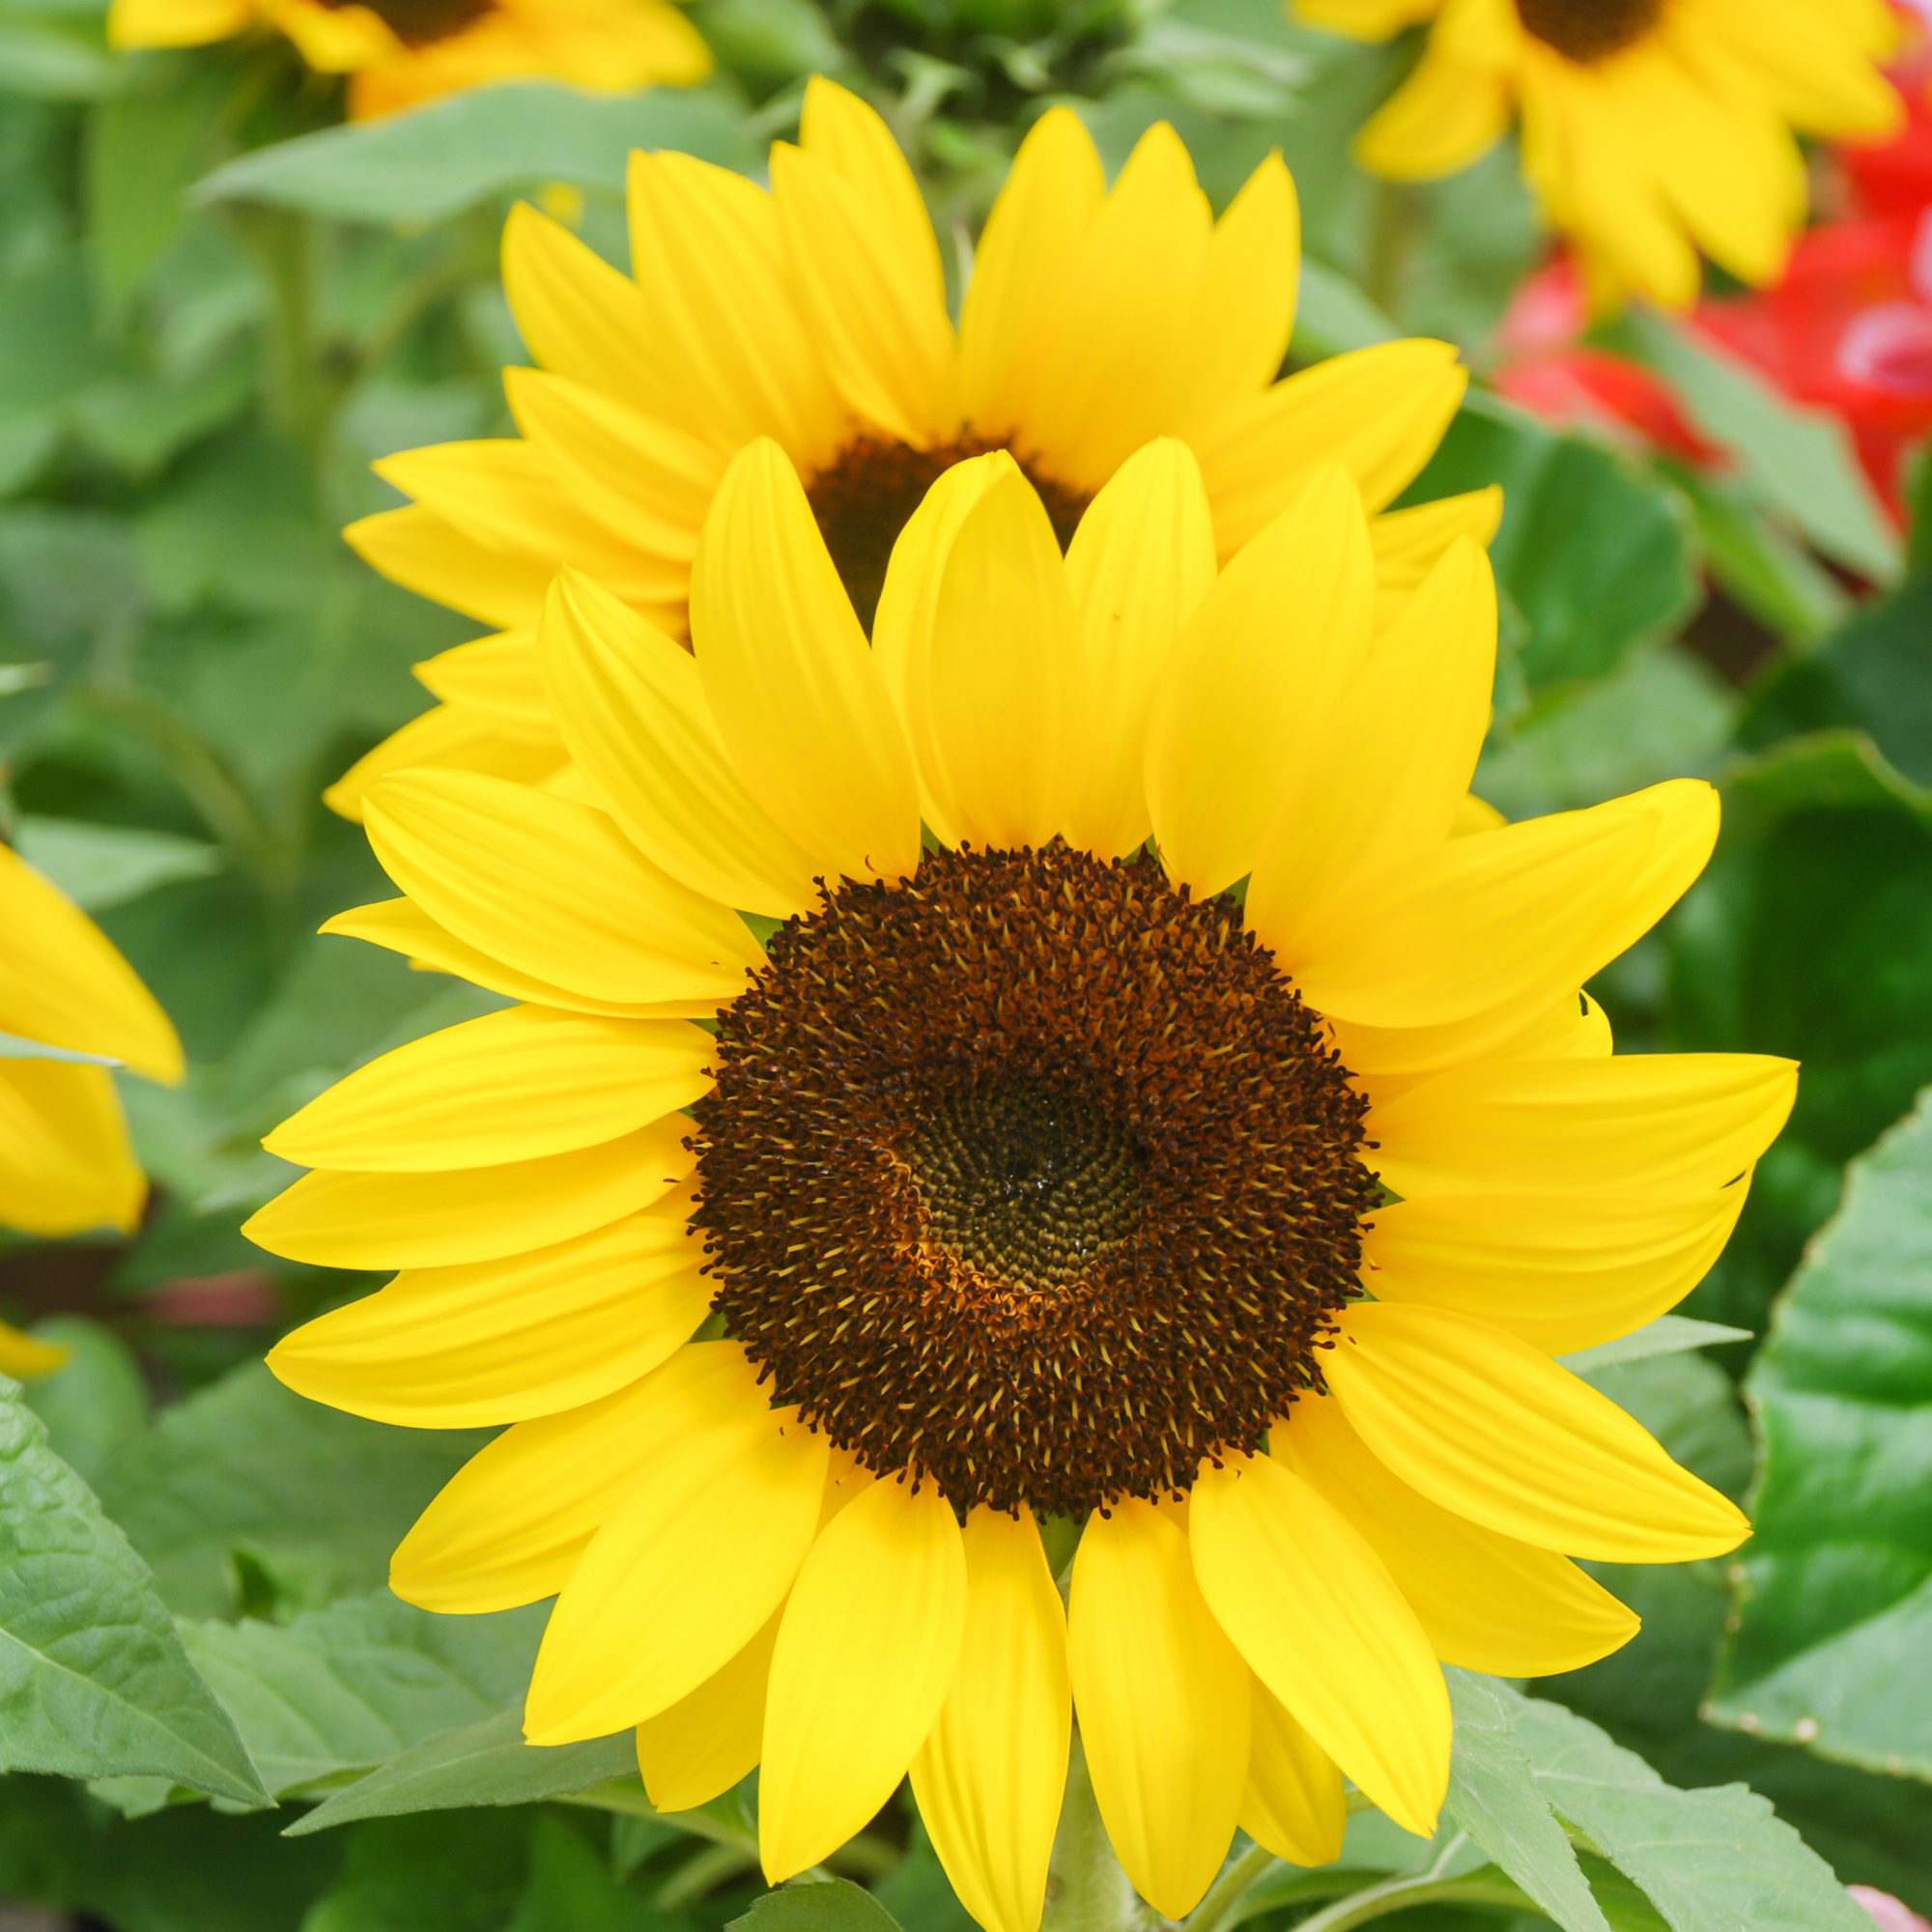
1835,1595
93,1679
453,1871
1667,1335
832,1905
571,1888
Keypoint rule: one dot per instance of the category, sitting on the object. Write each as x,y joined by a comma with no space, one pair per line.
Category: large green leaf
805,1904
339,1690
1833,1606
94,1681
429,162
243,1470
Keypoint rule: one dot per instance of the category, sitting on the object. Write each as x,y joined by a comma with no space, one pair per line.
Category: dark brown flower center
1032,1175
420,23
1589,30
867,494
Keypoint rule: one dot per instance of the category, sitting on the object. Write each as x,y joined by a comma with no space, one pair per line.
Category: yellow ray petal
1562,1274
498,675
1316,1614
420,550
799,701
63,983
1446,115
458,737
1489,1427
659,1602
1378,412
1408,544
1252,686
65,1163
999,676
864,1655
508,1528
475,1215
1295,1805
865,264
1163,1702
711,1738
1389,1059
1658,1128
1486,1601
552,888
1051,197
495,1342
1139,567
1513,916
989,1776
633,710
512,1086
1398,766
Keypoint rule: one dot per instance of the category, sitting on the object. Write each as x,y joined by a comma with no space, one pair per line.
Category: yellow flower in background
1029,1182
1651,128
65,1162
815,314
400,51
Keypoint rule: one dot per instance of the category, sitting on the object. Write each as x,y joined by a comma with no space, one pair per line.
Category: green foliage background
217,307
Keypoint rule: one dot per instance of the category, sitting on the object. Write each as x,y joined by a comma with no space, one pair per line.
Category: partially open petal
865,1653
1492,1428
1321,1623
989,1776
1163,1701
1295,1804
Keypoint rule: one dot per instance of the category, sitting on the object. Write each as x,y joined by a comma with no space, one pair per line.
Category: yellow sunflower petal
63,983
799,701
1316,1614
1485,1602
1378,412
1447,114
633,710
420,550
1295,1804
659,1601
1253,688
1139,567
65,1163
1656,1128
710,1738
511,1086
475,1215
502,1341
553,889
1387,1060
1163,1701
1490,1428
498,675
865,263
1562,1272
175,23
1408,544
458,737
508,1528
866,1652
989,1776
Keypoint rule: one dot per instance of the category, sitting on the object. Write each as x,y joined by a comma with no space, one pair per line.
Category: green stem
1228,1890
1398,1894
1087,1890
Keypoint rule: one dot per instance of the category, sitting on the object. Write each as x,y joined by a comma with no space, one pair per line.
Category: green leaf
456,1872
1494,1796
93,1678
13,1047
571,1888
102,865
1667,1335
1595,555
1802,459
44,61
1709,1861
339,1690
96,1402
1834,1605
1332,315
430,162
485,1763
828,1905
246,1465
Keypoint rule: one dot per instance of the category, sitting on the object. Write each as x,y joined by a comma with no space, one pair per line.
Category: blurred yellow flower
1651,128
815,314
1027,1178
399,51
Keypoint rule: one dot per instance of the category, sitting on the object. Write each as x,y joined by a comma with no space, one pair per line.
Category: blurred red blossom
1887,1914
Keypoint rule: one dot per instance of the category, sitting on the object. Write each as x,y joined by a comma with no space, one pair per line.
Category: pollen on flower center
867,494
1589,30
421,23
1031,1174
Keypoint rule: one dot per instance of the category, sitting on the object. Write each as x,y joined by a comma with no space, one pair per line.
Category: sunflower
1024,1182
68,1002
1651,128
815,315
400,51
